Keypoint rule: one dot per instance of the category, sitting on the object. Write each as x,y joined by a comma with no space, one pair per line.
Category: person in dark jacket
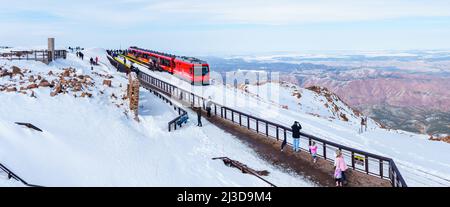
199,117
296,127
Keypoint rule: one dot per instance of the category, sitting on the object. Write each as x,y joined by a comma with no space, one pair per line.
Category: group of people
340,166
80,55
93,62
208,111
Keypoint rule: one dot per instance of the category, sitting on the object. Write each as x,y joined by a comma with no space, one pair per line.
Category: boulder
107,83
58,89
77,87
11,89
84,94
63,81
16,71
31,86
5,73
45,83
66,73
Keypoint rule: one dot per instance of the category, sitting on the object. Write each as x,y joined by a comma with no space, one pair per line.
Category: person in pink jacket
313,149
340,168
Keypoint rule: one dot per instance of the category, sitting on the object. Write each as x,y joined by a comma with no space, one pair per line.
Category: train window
165,62
205,70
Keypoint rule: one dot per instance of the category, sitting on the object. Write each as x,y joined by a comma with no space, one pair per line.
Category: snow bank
91,142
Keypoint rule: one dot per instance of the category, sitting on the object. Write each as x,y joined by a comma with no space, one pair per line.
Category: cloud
229,25
282,12
296,12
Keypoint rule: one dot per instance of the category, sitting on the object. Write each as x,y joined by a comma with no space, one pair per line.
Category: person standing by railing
296,127
313,149
208,106
199,117
340,165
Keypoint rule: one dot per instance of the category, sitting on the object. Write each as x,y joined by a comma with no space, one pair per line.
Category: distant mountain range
407,90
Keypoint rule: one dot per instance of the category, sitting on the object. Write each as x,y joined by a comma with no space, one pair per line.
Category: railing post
391,173
353,160
381,168
204,106
240,119
221,112
257,126
215,109
232,116
278,138
324,151
267,129
248,122
367,164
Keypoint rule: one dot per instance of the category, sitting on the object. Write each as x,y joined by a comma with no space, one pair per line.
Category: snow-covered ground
421,162
92,142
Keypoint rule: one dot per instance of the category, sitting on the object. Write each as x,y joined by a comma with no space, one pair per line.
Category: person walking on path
296,127
199,117
365,124
96,60
340,168
362,125
208,106
313,149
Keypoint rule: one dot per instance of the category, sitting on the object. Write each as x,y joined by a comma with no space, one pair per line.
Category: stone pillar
51,49
133,93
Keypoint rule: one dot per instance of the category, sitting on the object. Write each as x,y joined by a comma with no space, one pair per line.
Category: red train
190,69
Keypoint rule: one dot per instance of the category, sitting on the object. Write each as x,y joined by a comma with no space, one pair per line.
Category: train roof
183,58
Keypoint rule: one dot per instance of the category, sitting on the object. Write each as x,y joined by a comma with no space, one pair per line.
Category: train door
198,74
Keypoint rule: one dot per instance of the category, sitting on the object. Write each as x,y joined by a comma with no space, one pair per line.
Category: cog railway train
190,69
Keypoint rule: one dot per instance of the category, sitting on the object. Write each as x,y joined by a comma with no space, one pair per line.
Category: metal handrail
394,174
16,177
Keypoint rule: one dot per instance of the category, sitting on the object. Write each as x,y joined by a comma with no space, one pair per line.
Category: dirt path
300,162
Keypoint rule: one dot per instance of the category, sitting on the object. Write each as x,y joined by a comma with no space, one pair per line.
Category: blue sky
207,27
